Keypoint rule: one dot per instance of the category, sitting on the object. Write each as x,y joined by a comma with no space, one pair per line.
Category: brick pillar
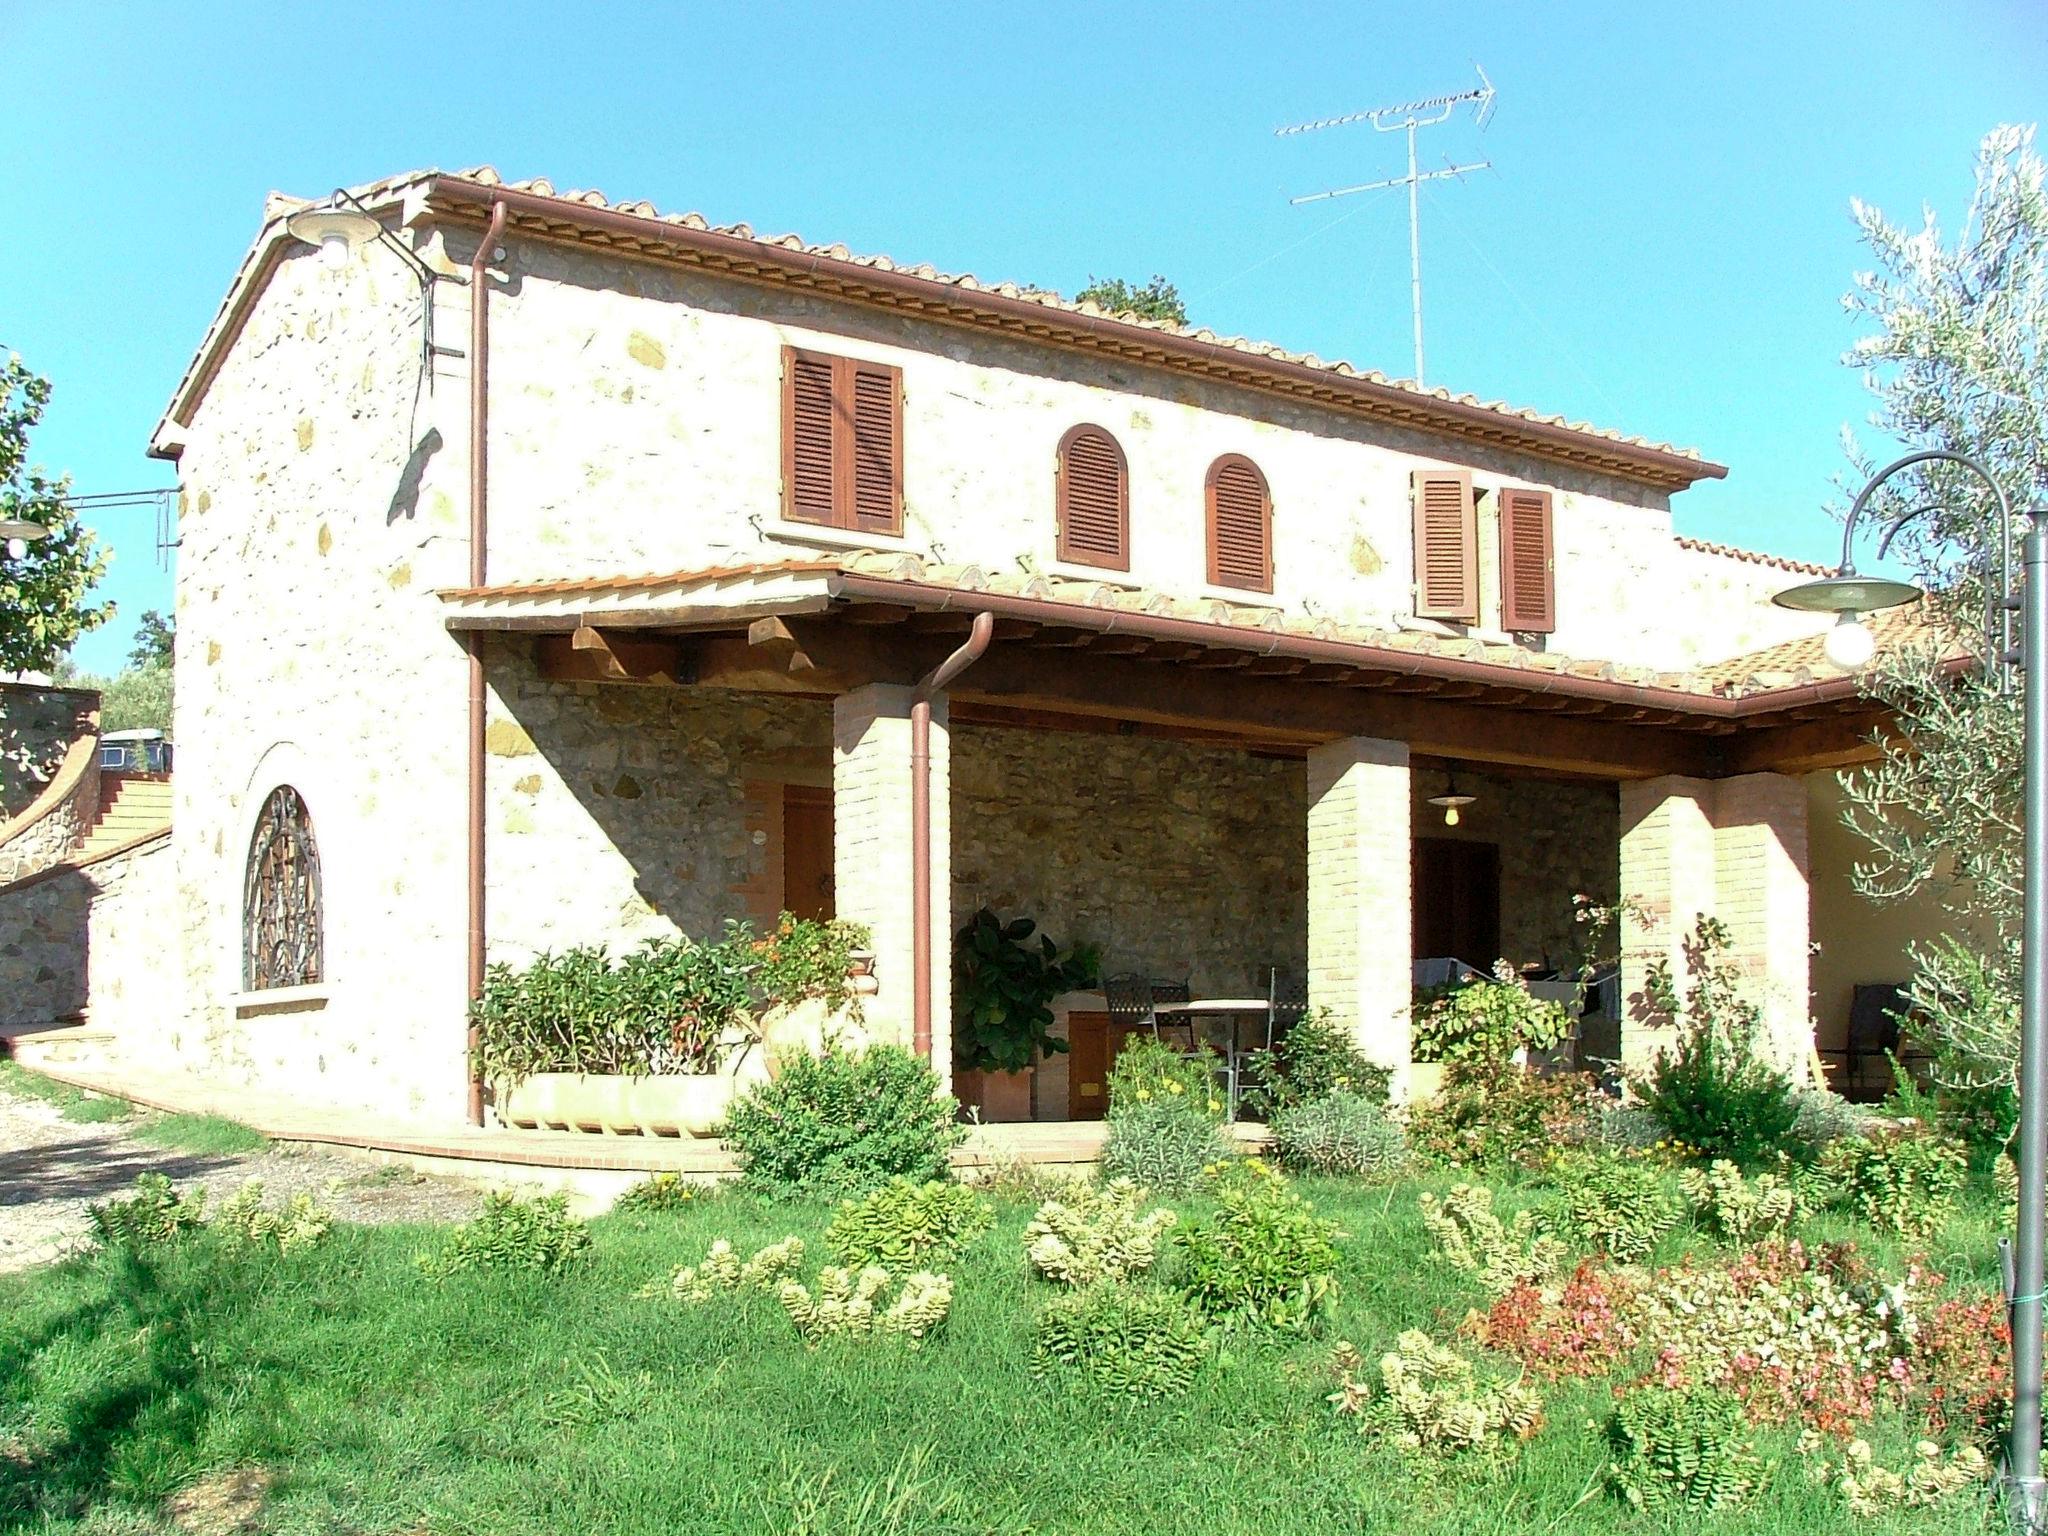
1733,849
1360,887
871,858
1667,871
1761,891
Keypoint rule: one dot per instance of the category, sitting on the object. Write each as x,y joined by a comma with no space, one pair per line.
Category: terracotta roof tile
1753,557
1805,660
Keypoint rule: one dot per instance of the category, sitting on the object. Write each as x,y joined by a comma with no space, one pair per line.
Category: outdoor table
1232,1009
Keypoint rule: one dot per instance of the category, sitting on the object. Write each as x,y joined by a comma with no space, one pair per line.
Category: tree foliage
43,595
1156,300
1954,359
155,637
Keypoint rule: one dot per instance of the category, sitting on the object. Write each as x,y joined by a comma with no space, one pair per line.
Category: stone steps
129,809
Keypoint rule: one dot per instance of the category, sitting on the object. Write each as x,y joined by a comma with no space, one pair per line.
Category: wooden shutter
1527,584
1446,546
842,442
1240,525
875,448
1092,496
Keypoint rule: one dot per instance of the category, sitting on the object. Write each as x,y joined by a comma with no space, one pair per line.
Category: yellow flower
1215,1104
1144,1093
1176,1088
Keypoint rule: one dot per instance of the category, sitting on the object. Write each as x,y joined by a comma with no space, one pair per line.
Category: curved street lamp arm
2001,641
420,269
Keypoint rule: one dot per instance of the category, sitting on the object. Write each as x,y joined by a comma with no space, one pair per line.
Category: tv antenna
1406,117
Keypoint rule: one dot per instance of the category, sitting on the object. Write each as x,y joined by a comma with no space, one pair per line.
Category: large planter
1425,1081
1002,1097
806,1028
619,1106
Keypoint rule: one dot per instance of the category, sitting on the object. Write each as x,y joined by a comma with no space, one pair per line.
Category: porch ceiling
1083,656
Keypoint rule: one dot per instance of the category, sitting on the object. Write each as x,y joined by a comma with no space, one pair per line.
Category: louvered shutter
1446,546
1527,583
874,417
807,435
1240,526
1093,498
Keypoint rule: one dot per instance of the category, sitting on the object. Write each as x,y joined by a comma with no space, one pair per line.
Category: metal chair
1129,999
1875,1009
1173,992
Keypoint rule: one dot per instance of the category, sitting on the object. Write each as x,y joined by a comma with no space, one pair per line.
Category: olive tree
44,594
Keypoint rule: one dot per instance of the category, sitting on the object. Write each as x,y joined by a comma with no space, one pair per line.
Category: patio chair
1173,992
1129,999
1875,1009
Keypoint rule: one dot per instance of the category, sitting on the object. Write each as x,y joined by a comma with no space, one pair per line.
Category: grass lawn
205,1135
74,1104
380,1400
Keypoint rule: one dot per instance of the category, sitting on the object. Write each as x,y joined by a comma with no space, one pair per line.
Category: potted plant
1494,1022
1003,987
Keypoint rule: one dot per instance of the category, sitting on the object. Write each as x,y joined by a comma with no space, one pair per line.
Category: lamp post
18,533
1849,644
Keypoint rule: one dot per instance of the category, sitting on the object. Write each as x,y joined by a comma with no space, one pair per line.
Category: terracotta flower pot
1002,1097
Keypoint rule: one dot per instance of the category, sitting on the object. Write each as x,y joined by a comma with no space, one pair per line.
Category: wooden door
807,851
1087,1065
1457,900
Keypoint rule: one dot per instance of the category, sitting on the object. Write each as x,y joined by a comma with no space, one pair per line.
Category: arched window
1093,495
281,897
1240,517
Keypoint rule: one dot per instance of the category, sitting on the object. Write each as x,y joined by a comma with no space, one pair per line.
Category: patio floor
509,1153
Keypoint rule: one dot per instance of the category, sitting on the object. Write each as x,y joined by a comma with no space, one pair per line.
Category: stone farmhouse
595,584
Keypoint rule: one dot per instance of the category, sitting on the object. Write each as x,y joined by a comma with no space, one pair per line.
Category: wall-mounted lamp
341,226
19,534
1451,801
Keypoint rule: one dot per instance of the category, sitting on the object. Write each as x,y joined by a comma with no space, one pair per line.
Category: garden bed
370,1396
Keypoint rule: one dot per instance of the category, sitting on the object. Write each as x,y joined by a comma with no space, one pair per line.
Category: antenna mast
1406,117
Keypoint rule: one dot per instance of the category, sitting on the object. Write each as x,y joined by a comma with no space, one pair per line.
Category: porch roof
1130,621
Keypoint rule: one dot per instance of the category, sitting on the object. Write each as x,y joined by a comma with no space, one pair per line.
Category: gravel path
51,1169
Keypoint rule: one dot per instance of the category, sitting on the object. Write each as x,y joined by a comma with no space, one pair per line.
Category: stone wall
1558,839
619,384
622,813
53,824
37,724
1177,860
92,938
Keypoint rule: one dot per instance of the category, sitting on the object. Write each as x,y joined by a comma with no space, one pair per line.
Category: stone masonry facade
37,725
635,428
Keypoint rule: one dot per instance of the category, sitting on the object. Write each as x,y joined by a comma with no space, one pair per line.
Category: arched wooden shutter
1527,557
1446,546
842,442
1092,495
1240,517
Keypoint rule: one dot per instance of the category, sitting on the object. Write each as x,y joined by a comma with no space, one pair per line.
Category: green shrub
1340,1133
1469,1236
1003,988
1821,1117
1901,1181
1490,1116
904,1226
843,1122
155,1213
1121,1342
510,1233
1711,1085
1148,1071
1164,1144
1681,1448
1312,1060
300,1223
1873,1492
1485,1020
1625,1127
720,1272
662,1192
673,1005
1618,1205
1264,1259
1089,1235
1738,1209
849,1304
1434,1404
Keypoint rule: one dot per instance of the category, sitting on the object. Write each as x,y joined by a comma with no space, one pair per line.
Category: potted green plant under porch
1003,987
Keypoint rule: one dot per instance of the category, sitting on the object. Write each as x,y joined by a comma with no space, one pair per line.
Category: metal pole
1415,246
2025,1486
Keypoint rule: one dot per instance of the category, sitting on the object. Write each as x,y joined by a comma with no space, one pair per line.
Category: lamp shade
1846,592
319,226
17,528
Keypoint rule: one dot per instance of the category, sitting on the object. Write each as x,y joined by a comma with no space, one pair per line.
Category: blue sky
1661,247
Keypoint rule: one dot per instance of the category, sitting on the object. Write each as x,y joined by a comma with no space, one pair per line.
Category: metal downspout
479,526
970,651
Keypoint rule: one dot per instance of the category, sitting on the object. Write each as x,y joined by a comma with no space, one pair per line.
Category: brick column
1667,871
1733,849
871,858
1761,891
1360,887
